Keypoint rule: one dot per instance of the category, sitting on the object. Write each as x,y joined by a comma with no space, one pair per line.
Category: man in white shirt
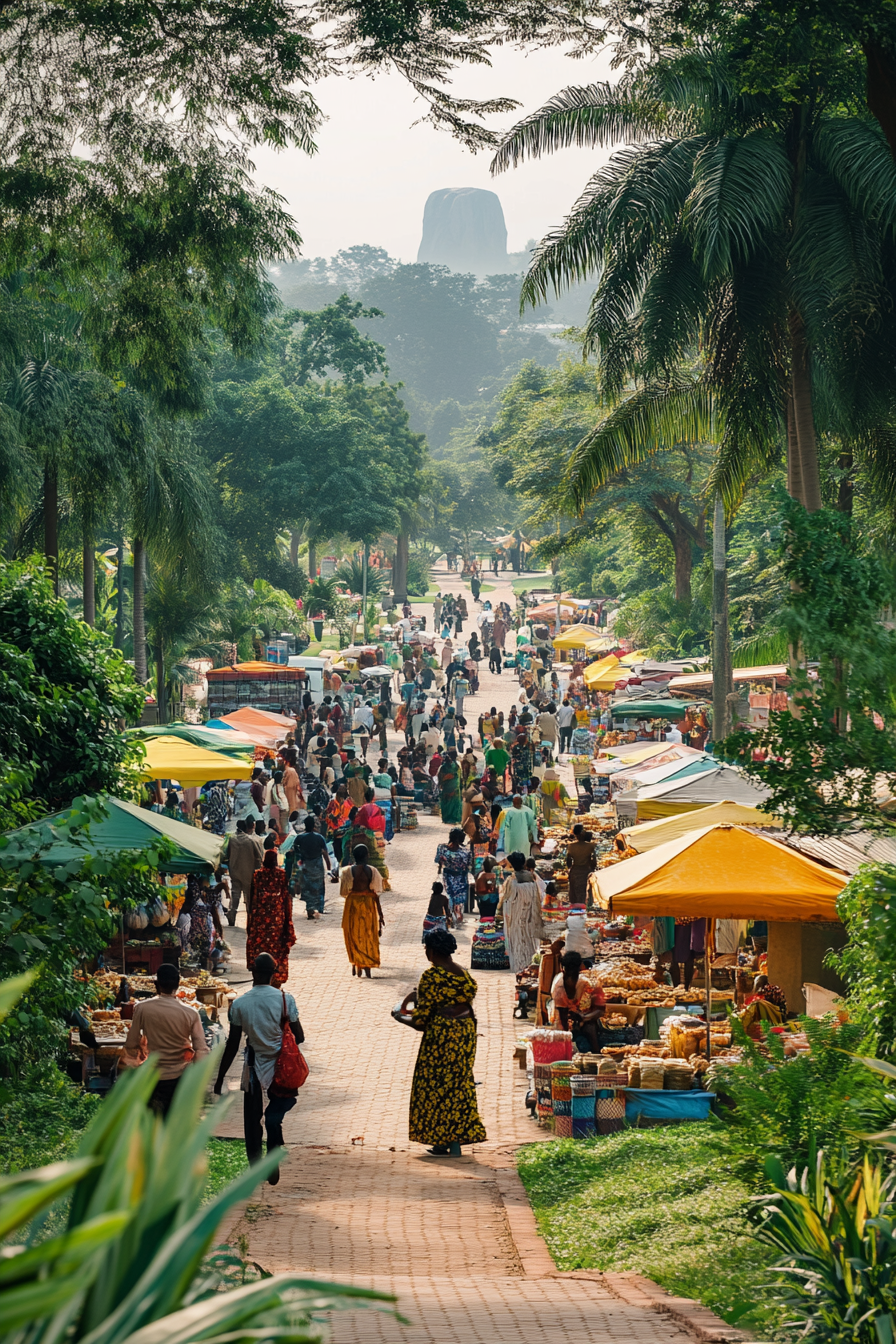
673,734
259,1014
566,717
431,737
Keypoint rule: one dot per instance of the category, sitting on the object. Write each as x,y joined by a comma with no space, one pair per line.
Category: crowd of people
323,804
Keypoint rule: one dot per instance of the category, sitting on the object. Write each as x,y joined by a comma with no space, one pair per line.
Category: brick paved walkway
357,1202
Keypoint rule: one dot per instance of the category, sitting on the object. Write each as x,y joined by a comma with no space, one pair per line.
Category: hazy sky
374,169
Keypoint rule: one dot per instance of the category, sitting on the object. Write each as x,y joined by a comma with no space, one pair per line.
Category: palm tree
170,507
180,614
758,234
351,576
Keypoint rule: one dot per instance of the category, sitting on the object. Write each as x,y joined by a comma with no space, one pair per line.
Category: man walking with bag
264,1014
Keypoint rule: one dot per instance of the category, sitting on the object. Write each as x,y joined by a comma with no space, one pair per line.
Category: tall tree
739,226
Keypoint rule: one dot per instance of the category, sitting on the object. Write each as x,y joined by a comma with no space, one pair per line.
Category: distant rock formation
463,228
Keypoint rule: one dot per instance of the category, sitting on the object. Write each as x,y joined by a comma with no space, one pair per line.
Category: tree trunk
294,539
161,690
312,561
139,554
88,580
721,648
846,487
118,641
881,89
51,522
400,568
803,419
794,478
684,564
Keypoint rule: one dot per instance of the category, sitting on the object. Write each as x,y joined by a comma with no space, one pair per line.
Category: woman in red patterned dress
270,927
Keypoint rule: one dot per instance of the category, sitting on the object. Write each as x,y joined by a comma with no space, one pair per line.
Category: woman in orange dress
362,915
270,927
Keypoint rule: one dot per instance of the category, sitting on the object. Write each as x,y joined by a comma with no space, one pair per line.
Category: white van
315,668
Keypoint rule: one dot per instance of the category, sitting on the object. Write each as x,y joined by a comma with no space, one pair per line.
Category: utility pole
721,652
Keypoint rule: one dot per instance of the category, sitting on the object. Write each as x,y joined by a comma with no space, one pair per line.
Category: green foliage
835,1233
110,1274
63,692
867,963
351,576
418,576
661,1202
42,1119
823,766
825,1097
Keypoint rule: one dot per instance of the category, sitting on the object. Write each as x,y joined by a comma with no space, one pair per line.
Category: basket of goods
561,1097
582,1086
634,1072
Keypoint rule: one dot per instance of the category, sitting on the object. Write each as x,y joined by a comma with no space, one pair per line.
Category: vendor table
662,1104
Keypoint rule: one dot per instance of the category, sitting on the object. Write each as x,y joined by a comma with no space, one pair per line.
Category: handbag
291,1069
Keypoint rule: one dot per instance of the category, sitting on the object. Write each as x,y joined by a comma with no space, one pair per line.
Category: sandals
445,1150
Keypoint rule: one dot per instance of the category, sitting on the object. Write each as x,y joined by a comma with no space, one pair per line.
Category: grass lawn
533,581
326,645
661,1202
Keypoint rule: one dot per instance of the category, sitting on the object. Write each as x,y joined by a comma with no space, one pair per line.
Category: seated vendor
575,1005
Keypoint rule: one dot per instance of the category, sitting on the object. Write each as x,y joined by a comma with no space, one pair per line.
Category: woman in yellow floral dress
444,1112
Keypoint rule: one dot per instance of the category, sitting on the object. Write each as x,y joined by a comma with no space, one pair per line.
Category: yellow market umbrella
601,644
649,834
637,656
173,758
723,872
576,637
603,671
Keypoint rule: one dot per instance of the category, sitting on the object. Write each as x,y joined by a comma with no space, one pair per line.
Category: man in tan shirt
171,1030
243,855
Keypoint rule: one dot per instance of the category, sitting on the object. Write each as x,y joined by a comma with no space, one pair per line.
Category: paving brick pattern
455,1240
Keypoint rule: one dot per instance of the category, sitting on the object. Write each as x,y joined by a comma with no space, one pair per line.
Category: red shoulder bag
292,1067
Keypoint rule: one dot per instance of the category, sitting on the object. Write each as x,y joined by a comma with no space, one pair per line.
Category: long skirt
450,807
361,928
312,881
522,925
443,1093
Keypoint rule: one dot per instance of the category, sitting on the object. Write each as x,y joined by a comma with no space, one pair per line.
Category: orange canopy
256,724
723,872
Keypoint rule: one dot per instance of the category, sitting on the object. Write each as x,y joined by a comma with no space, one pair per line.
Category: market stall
228,741
173,758
725,783
647,835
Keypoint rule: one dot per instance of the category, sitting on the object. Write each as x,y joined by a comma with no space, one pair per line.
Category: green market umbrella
127,827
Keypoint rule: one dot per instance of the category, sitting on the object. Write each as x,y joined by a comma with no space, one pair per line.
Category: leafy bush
42,1119
660,1202
63,692
418,576
837,1239
791,1107
868,961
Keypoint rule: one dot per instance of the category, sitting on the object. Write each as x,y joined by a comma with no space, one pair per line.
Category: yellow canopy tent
576,637
631,753
173,758
636,656
602,671
653,833
601,644
723,872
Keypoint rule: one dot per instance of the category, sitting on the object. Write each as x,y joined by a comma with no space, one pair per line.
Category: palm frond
763,649
742,189
587,116
855,153
655,417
